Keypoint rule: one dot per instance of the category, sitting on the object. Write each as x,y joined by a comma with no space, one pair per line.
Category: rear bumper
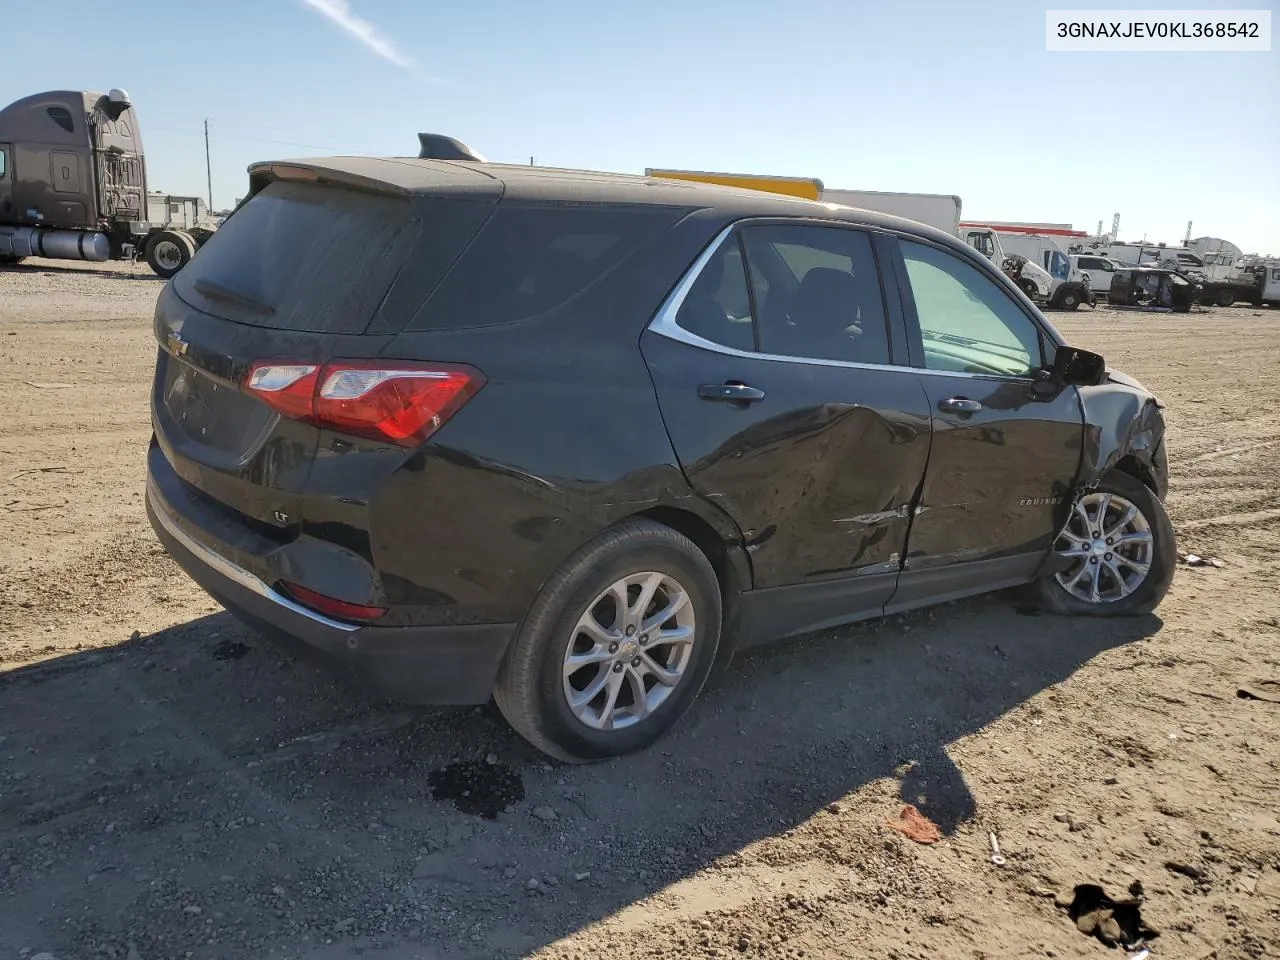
430,665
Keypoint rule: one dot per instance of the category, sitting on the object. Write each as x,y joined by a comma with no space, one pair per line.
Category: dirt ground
171,786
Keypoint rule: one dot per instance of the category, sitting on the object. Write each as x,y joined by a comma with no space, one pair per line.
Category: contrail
339,11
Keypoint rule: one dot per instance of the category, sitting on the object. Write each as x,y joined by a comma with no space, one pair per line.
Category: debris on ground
1114,922
1195,560
1267,691
997,857
914,825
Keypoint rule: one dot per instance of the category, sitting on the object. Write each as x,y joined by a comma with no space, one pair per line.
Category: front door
771,369
1006,442
6,182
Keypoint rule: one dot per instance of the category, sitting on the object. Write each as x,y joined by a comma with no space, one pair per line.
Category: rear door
1100,273
296,275
1006,444
773,367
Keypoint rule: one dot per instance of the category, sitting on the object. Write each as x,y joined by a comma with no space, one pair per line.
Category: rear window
532,258
302,257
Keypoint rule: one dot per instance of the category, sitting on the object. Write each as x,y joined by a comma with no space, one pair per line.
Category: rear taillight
384,400
330,606
287,387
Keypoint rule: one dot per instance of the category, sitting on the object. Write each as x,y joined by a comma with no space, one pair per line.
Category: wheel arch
1139,470
1124,430
728,558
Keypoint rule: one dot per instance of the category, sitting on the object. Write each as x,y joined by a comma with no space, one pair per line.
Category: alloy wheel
629,651
1110,545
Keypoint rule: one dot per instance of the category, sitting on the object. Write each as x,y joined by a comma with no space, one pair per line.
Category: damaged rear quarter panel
1122,419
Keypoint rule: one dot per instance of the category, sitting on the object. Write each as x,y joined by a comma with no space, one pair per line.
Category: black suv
569,439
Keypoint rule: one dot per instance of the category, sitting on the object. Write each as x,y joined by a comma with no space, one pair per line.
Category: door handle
730,392
959,405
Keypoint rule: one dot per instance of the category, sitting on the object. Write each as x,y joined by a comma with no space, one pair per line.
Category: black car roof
411,176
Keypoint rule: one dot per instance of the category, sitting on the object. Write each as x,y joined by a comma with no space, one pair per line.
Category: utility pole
208,169
531,161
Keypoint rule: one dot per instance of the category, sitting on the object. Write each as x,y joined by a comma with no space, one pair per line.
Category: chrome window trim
237,574
664,324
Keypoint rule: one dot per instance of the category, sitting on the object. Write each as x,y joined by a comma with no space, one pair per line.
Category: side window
2,167
969,324
718,307
983,243
62,117
817,293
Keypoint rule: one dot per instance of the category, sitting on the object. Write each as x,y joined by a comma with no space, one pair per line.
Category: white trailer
936,209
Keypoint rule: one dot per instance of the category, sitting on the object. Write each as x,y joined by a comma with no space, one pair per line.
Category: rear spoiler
432,146
318,171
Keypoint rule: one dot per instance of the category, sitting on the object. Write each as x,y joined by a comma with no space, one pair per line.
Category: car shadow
200,792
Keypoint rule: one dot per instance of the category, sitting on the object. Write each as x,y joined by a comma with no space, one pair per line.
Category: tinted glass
302,257
968,323
717,307
62,117
1,163
817,293
532,258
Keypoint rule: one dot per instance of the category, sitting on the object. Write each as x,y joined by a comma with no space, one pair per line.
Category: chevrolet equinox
569,439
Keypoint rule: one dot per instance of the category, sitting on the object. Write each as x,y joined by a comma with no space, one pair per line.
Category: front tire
1121,552
616,647
1225,298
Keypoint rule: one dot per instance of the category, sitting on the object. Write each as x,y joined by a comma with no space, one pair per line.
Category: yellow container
802,187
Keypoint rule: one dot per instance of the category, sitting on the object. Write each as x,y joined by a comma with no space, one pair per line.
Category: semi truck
73,186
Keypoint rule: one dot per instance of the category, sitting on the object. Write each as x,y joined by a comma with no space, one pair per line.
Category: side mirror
1079,367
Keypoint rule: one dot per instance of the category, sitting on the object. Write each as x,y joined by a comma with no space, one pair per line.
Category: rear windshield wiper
215,291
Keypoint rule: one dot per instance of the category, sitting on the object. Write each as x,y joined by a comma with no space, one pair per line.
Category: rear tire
1069,301
1225,298
1145,540
542,694
169,251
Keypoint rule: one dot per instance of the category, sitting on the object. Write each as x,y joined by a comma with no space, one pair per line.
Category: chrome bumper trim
228,569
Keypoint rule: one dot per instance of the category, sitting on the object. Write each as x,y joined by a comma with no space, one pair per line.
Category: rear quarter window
302,257
531,258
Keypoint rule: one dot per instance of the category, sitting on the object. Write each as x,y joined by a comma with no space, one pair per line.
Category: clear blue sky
934,96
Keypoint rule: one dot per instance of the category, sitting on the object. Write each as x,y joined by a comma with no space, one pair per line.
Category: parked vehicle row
1219,279
570,440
